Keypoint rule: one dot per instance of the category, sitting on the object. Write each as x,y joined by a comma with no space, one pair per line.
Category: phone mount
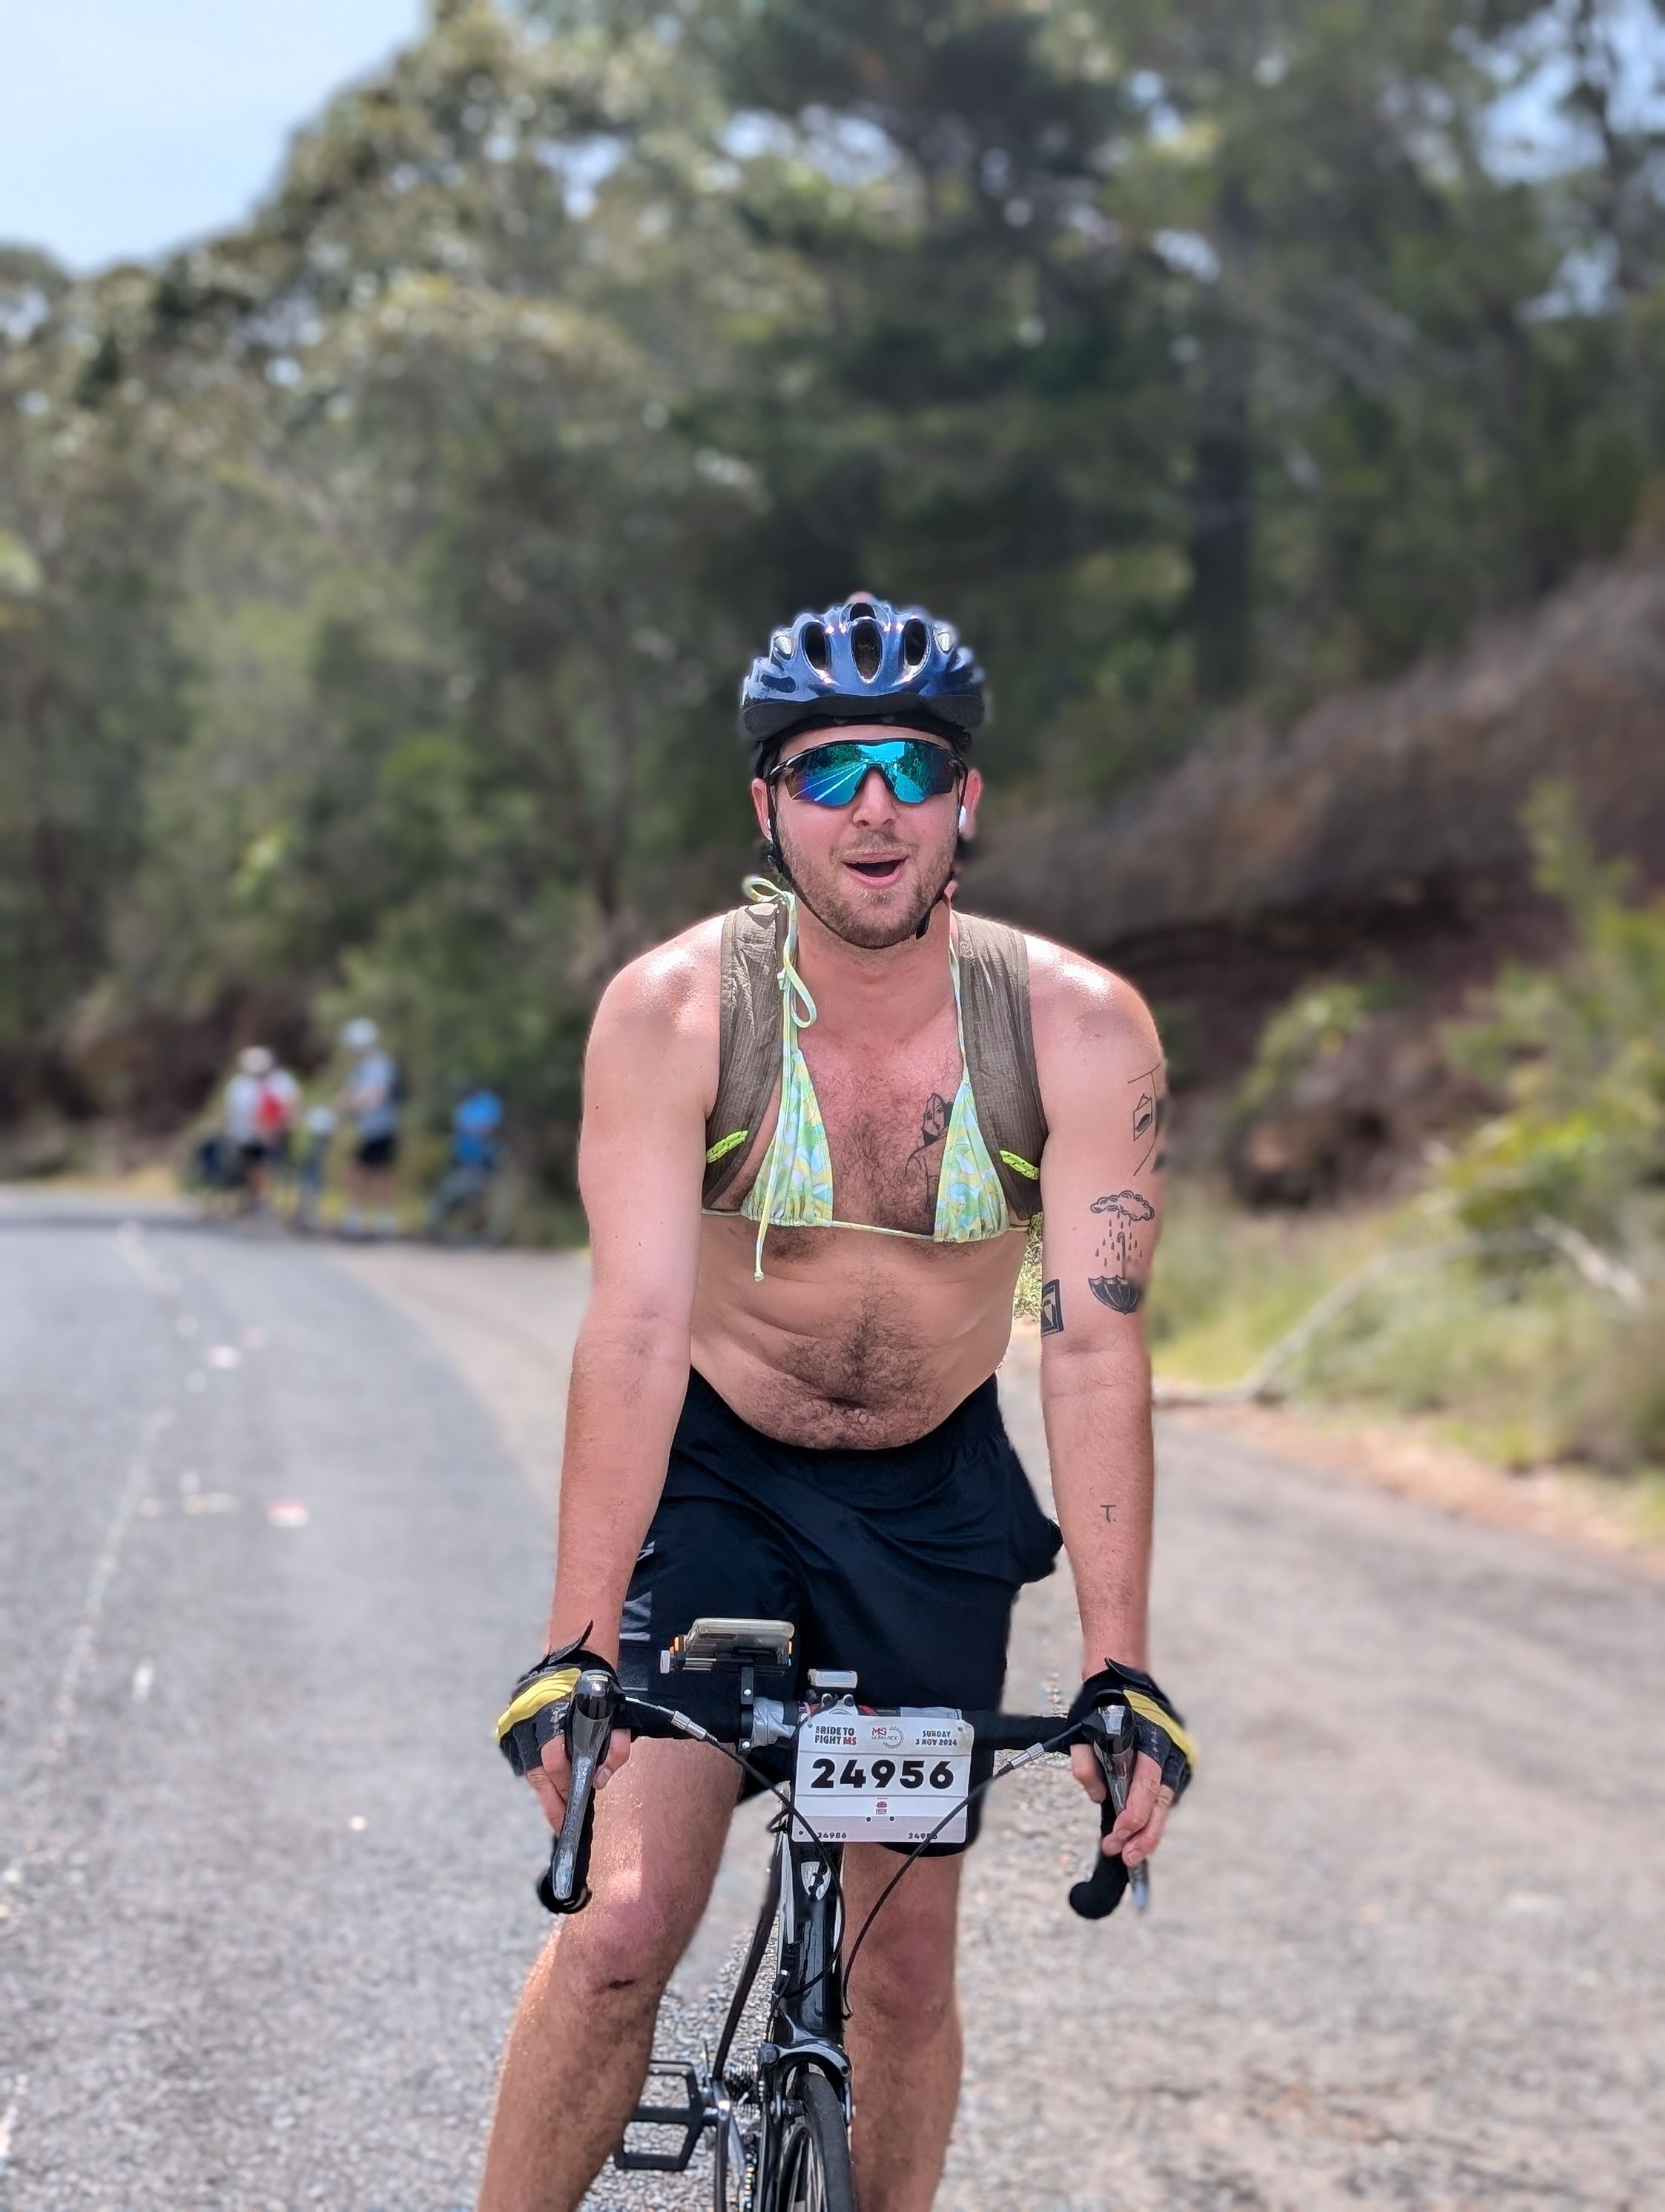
741,1650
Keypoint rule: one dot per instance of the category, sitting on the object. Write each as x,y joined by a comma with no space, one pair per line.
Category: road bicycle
778,2113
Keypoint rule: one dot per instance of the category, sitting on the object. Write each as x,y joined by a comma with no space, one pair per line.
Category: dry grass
1523,1366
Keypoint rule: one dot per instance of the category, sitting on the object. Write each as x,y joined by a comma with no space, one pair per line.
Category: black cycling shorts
903,1563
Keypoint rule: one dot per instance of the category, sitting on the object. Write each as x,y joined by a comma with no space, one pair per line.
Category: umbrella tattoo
1123,1250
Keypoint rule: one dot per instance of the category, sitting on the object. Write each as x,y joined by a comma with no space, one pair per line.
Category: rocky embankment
1384,825
1380,836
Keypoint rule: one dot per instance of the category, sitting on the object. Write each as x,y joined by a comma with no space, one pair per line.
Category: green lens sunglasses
831,774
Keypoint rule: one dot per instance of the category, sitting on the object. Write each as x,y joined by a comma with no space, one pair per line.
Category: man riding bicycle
815,1131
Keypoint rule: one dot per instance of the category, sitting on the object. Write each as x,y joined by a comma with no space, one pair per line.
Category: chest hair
886,1126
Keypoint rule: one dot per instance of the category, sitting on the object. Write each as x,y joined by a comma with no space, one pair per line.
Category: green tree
374,577
90,678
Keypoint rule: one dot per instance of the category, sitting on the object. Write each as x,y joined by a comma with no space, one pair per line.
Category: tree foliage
373,579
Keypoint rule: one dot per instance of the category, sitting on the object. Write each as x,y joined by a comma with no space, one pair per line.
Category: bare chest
886,1119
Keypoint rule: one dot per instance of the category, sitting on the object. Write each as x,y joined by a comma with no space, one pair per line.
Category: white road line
130,1243
98,1586
9,2117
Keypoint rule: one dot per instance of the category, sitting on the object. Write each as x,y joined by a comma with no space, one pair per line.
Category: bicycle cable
692,1728
1023,1759
777,1789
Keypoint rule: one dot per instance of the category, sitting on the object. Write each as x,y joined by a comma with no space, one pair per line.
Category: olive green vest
1000,1049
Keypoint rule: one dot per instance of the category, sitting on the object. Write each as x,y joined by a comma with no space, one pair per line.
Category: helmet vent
915,642
861,612
815,647
866,647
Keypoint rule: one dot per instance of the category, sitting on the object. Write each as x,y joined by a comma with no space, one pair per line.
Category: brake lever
1115,1747
1119,1774
596,1699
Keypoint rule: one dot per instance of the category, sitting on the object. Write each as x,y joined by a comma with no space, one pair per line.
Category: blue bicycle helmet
864,661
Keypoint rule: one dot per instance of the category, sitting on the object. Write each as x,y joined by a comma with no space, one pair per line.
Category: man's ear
760,805
968,798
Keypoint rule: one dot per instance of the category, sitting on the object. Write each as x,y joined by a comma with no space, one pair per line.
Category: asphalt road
273,1531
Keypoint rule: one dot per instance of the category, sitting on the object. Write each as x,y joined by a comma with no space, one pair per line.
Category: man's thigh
660,1825
702,1556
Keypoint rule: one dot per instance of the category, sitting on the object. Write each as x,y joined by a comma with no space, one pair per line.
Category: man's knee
904,1981
619,1948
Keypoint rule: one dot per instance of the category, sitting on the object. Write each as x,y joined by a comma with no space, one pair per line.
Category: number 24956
910,1774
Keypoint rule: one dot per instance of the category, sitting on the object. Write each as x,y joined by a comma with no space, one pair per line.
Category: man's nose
875,801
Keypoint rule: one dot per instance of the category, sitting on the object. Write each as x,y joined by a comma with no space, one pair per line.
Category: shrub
1579,1050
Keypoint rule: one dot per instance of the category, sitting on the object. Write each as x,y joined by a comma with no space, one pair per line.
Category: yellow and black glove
537,1712
1158,1726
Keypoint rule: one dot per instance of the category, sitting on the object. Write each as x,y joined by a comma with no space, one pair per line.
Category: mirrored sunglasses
831,774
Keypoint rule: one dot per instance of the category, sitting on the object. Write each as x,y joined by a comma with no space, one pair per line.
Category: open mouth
879,869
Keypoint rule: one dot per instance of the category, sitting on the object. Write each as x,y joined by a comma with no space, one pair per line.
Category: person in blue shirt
474,1127
464,1196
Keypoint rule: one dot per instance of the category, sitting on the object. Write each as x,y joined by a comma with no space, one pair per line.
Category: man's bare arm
1106,1097
651,1064
652,1059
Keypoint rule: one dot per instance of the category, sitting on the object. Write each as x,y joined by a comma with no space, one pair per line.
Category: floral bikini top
793,1185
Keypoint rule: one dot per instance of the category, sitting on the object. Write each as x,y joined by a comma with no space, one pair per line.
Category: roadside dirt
1404,1458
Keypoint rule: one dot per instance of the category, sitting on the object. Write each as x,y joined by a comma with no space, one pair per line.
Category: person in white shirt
261,1102
371,1096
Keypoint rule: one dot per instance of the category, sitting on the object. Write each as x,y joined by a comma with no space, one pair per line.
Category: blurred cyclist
463,1193
370,1096
261,1102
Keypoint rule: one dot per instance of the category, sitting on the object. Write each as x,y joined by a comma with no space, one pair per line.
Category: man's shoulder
667,979
1085,1014
666,996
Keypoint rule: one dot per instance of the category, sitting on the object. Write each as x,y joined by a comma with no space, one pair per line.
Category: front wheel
812,2168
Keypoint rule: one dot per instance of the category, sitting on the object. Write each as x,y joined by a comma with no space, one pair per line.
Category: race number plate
884,1778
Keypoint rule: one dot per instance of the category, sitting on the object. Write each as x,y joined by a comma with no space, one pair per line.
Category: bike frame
803,1902
805,2023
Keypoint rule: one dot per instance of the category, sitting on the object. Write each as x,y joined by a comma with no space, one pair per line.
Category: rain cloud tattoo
1150,1112
1052,1308
1123,1250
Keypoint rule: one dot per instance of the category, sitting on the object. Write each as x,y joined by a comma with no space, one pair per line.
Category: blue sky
129,125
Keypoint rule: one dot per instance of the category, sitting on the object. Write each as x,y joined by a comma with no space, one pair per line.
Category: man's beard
868,932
